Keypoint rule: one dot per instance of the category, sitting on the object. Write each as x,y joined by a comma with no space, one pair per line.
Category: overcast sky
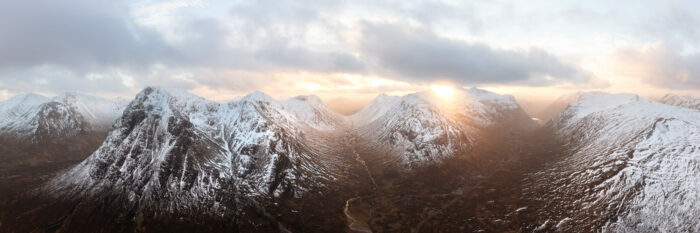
343,50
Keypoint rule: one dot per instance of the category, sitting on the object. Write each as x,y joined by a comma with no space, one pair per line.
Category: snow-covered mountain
630,165
34,118
558,106
378,107
314,112
423,128
681,101
172,151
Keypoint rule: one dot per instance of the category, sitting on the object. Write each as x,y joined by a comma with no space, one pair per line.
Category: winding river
358,217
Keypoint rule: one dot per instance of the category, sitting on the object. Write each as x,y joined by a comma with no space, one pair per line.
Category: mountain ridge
621,150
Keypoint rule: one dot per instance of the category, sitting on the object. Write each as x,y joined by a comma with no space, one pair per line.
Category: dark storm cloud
99,44
205,45
421,56
46,45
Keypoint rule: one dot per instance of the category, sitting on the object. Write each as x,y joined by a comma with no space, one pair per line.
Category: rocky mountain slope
35,129
423,128
40,136
558,106
473,161
629,166
256,159
34,118
681,101
312,111
172,152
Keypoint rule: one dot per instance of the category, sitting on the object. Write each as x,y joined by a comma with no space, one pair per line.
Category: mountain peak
153,95
313,111
162,91
38,118
258,96
376,108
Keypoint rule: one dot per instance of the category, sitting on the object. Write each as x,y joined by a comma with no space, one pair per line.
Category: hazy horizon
347,106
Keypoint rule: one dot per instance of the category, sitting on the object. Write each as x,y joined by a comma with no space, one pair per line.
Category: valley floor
483,191
480,193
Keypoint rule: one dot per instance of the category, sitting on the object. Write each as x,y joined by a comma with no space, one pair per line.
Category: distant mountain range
35,118
38,130
172,159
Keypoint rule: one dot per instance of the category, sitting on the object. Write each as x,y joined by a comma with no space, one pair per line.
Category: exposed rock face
34,118
423,128
38,130
172,151
629,166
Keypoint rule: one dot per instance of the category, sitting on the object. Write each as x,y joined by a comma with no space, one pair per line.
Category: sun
444,91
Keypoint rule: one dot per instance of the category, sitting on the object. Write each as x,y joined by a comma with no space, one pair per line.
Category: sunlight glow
444,91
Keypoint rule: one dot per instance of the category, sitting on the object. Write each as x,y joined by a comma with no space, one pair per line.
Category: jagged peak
257,96
423,97
377,107
163,100
462,99
165,94
464,96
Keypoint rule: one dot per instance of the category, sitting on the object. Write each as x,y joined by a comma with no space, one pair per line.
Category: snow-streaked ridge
424,128
34,117
172,150
633,162
314,112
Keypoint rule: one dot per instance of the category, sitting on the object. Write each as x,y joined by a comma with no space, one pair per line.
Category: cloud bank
421,56
105,46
